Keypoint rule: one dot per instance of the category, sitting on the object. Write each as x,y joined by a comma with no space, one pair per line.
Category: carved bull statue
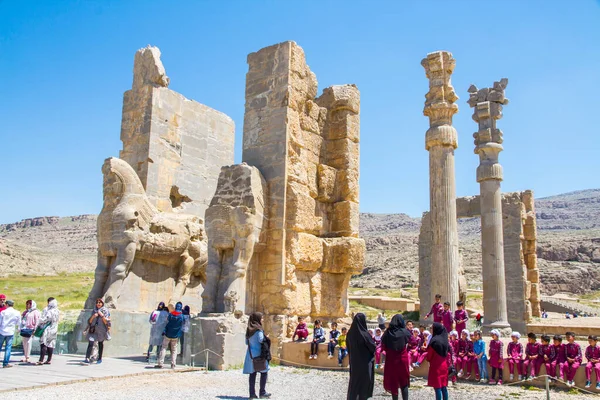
234,223
130,227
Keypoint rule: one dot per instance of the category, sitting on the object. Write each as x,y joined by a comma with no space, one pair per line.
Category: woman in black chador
361,350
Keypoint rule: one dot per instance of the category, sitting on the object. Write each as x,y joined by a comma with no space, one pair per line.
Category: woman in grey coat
97,332
49,322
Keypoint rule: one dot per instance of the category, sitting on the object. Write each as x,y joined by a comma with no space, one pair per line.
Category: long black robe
361,352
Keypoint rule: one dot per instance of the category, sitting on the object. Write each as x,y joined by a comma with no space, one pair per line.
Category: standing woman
361,351
29,321
256,357
98,326
437,353
158,320
396,373
49,323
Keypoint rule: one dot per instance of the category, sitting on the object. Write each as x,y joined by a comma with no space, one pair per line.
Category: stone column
487,104
441,140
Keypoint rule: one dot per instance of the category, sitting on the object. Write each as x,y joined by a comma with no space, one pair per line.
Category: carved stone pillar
441,140
487,104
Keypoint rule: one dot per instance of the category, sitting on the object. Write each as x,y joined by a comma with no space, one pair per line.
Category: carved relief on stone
234,224
130,227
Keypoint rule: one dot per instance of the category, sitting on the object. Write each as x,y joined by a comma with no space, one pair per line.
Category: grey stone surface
177,146
234,224
223,335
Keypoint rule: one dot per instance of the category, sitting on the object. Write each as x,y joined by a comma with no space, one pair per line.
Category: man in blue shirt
172,333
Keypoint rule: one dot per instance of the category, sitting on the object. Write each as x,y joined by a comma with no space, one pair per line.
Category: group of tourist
30,323
167,330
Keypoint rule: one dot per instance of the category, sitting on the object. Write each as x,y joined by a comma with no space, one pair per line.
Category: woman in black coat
361,351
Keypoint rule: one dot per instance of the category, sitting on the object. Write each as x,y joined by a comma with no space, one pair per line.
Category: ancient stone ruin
281,233
151,240
441,140
508,235
307,149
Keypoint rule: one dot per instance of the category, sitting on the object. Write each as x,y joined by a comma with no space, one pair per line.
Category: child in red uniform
465,346
532,357
573,356
437,355
447,319
413,347
592,354
547,355
560,359
422,349
301,330
496,360
474,366
436,309
515,355
460,317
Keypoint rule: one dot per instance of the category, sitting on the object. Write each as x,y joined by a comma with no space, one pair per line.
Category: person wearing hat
9,319
3,305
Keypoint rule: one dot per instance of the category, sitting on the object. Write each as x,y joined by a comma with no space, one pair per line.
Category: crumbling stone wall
307,149
177,146
520,260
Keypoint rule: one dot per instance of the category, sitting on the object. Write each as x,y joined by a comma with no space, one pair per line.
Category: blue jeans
441,393
7,341
341,354
482,364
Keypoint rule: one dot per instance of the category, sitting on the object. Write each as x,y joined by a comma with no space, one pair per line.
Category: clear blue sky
65,65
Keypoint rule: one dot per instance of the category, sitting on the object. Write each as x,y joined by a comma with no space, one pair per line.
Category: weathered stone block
345,218
326,182
535,292
528,290
347,185
531,261
343,255
305,251
533,275
302,211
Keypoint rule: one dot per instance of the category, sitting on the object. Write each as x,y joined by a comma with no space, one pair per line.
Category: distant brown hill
568,245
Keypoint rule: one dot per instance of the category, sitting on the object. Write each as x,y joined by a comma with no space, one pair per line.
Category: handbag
39,331
451,371
26,332
92,328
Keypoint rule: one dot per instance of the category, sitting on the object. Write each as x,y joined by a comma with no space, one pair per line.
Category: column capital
487,109
439,101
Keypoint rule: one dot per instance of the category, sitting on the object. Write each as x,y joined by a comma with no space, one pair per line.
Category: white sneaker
512,377
329,357
460,374
520,377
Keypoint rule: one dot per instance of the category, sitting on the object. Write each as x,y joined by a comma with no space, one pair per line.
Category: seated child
479,350
574,359
592,354
333,340
460,317
378,350
422,330
547,355
532,361
413,347
342,350
301,330
422,353
515,355
318,337
496,357
560,359
465,346
451,357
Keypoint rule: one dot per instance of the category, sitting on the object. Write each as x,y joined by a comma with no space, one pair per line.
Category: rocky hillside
568,245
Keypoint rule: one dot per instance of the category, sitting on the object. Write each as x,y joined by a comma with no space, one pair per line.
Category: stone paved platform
69,368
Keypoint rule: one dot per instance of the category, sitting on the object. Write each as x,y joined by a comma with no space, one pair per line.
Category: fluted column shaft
487,104
441,139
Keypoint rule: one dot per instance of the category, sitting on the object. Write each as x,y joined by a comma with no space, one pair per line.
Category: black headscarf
254,324
439,340
359,333
161,306
396,336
